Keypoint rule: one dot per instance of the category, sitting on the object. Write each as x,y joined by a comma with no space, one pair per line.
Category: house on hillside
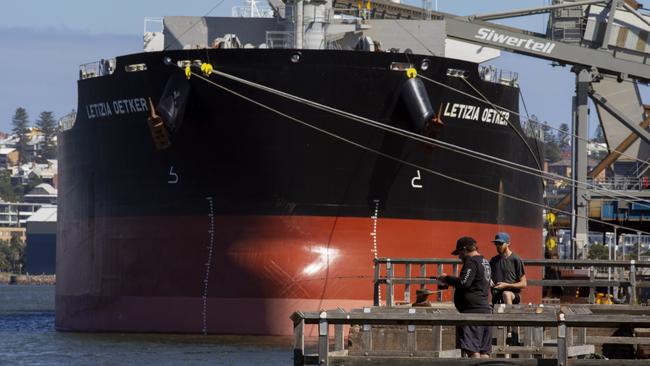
40,251
8,157
42,193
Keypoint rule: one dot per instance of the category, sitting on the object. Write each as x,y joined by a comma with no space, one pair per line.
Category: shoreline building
40,253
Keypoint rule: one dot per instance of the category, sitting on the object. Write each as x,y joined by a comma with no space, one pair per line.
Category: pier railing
409,322
424,271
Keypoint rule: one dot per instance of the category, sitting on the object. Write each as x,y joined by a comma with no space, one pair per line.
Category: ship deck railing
551,335
247,11
406,272
96,68
498,76
621,183
280,39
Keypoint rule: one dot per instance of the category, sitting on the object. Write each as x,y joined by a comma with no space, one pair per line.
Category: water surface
27,337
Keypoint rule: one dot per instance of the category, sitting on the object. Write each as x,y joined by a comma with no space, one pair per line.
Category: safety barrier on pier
391,336
385,269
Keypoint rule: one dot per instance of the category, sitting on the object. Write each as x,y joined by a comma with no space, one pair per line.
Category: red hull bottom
184,315
139,275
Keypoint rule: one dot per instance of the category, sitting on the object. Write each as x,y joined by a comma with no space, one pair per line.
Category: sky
43,42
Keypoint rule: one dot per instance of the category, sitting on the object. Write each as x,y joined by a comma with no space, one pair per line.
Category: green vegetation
47,125
564,137
599,251
598,135
552,150
8,193
12,254
20,123
558,141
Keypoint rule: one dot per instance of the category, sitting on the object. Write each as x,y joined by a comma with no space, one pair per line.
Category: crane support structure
605,51
632,125
579,225
606,39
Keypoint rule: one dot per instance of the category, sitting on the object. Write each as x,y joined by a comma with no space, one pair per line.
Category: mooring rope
413,165
439,143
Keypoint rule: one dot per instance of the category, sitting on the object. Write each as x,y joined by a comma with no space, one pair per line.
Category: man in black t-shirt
508,274
471,296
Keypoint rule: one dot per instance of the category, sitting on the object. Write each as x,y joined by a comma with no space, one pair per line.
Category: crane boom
526,43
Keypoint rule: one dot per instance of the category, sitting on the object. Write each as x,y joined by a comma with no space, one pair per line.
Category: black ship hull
273,205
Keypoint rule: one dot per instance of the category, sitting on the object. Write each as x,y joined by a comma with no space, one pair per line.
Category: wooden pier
552,335
540,334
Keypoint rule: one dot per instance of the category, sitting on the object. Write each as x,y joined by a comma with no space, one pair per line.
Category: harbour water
27,337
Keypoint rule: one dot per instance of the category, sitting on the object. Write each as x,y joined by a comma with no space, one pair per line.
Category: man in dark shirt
471,296
508,274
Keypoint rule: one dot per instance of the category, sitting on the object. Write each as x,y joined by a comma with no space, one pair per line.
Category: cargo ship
246,168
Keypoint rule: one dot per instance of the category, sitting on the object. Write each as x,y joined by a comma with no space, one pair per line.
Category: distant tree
6,256
17,249
564,137
4,260
599,251
47,125
552,152
20,127
12,254
598,135
7,191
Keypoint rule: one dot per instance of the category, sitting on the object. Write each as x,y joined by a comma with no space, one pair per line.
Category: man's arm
465,278
521,284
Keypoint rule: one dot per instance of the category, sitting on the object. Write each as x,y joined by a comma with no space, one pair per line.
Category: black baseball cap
464,243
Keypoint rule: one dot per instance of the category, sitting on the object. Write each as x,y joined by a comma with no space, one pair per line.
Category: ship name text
532,44
476,113
116,107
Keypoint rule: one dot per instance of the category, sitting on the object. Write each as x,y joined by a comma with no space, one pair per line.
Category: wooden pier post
390,296
298,341
501,333
437,338
339,339
423,273
633,300
562,347
375,297
407,286
411,339
366,333
592,289
440,272
323,339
